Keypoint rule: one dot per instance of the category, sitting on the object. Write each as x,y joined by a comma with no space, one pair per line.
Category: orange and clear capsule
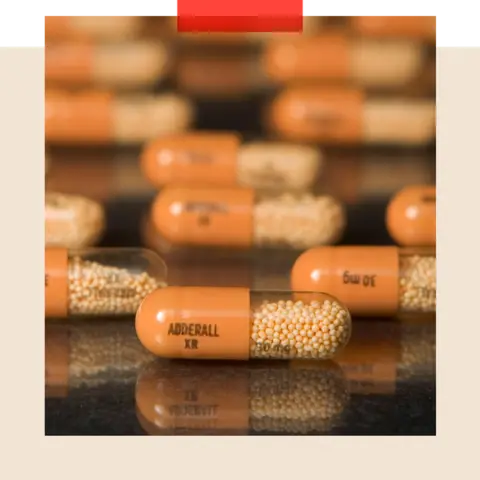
341,115
336,57
239,324
239,218
102,118
371,281
221,160
123,66
289,398
411,216
100,28
102,281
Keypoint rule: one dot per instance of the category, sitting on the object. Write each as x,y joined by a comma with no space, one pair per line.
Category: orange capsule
219,159
106,28
371,281
336,57
99,117
99,281
346,116
411,216
414,27
232,323
239,218
125,65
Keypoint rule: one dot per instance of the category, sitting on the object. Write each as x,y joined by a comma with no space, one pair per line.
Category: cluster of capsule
218,191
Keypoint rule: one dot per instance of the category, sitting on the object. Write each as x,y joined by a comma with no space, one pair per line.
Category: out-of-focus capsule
218,159
414,27
346,116
411,216
336,57
102,118
90,354
239,324
91,28
103,281
288,398
371,281
72,221
124,65
239,219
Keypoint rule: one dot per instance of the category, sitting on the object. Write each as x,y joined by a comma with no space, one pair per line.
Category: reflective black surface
100,381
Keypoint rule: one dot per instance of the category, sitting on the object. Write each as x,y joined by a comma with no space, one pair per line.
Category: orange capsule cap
192,159
412,217
365,279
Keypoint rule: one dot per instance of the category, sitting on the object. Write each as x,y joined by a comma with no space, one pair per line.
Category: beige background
27,454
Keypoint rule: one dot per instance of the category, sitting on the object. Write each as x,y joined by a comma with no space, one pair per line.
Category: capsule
124,65
295,398
72,221
240,219
90,354
372,281
220,160
411,216
347,116
214,323
103,281
100,118
336,57
91,28
412,27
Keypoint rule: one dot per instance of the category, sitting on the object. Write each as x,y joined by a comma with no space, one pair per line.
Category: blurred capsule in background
133,65
102,118
221,160
176,397
347,116
337,57
72,221
411,216
413,27
102,28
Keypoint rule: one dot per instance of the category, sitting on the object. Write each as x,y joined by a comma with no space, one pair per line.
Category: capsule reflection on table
221,160
101,281
411,216
241,218
222,399
371,281
101,351
221,323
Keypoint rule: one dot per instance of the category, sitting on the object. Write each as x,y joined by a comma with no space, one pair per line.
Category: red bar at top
241,16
